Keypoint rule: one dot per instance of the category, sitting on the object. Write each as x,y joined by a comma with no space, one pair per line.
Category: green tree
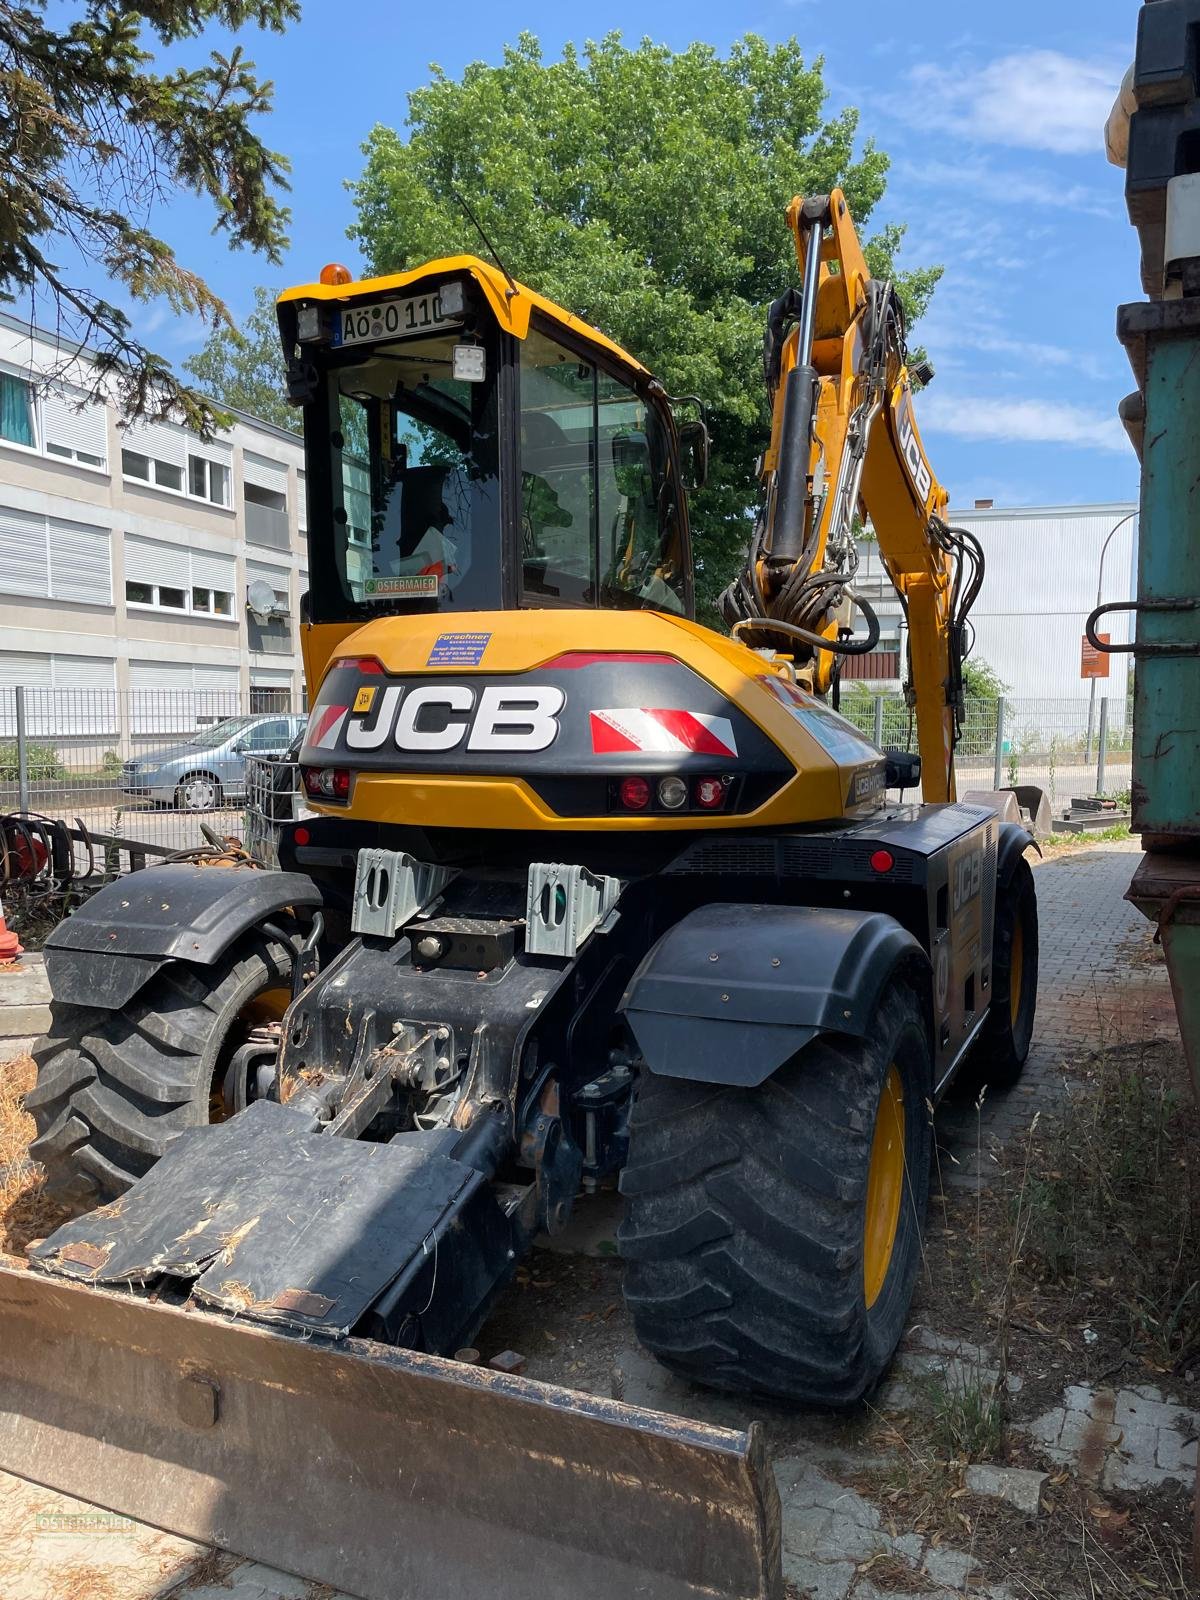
645,190
94,141
243,366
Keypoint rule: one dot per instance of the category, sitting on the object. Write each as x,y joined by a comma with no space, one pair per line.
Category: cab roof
512,309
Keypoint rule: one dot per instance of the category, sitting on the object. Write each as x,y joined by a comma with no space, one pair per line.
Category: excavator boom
844,443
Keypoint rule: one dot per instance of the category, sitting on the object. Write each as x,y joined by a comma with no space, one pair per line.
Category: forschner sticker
458,649
419,583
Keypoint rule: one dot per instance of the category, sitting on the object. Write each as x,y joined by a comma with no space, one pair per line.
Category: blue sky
992,116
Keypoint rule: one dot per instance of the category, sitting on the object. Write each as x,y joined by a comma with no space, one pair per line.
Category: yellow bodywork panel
512,306
521,641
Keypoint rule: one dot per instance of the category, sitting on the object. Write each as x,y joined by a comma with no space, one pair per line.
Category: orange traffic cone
10,945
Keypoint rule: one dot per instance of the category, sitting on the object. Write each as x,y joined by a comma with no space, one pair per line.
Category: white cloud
1020,187
1033,99
1022,421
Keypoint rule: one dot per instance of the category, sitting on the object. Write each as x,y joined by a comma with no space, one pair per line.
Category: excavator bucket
380,1471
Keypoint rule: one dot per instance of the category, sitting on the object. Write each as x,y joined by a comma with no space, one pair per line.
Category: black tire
190,784
114,1087
999,1056
744,1239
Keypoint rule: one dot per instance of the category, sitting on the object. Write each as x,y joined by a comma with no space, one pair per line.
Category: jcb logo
968,878
913,459
441,716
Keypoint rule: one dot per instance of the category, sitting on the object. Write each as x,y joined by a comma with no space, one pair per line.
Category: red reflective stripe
589,658
325,720
607,740
690,731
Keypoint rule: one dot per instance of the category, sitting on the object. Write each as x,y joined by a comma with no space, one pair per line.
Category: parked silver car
210,768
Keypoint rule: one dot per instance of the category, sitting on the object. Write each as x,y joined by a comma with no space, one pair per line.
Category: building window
208,480
266,516
149,469
16,411
166,597
73,453
212,602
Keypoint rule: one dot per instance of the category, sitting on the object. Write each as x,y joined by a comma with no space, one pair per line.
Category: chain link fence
1069,748
153,765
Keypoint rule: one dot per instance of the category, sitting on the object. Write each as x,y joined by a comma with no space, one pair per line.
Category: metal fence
1069,748
76,753
83,754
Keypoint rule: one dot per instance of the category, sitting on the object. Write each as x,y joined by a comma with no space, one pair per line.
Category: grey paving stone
951,1568
1176,1454
820,1580
1149,1406
1019,1486
805,1529
850,1540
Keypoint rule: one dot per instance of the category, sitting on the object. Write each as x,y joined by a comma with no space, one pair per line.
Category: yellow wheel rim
268,1005
1016,970
885,1187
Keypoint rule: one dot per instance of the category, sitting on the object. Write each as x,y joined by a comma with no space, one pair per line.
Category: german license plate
392,319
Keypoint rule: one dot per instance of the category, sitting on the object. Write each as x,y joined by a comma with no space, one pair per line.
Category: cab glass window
599,514
641,560
558,472
415,480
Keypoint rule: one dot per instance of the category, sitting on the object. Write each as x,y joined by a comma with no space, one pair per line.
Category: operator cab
454,465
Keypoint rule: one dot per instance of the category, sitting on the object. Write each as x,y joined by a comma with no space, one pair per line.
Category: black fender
118,939
731,992
1011,846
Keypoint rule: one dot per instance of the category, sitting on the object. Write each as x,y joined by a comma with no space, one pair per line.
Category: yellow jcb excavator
589,893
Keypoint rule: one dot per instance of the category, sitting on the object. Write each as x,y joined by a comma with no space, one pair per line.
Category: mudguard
731,992
120,937
1011,846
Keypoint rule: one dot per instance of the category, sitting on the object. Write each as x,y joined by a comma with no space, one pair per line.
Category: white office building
1045,567
127,555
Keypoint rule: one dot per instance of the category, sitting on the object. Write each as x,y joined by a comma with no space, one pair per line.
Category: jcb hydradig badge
442,716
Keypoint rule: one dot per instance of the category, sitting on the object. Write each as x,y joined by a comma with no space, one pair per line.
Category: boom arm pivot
844,443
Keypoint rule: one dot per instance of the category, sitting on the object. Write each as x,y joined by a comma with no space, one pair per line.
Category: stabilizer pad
271,1220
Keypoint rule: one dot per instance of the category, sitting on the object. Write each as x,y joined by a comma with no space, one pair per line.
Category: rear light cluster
327,783
672,793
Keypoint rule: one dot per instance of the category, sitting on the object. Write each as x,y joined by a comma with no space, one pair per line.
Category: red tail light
364,664
709,793
327,783
882,861
635,793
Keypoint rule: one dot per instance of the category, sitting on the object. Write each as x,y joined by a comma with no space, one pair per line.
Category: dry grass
26,1212
80,1581
212,1570
893,1575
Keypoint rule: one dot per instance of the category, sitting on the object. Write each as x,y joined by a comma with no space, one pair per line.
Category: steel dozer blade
384,1472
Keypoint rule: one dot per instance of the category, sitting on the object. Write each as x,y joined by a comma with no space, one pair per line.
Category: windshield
415,478
209,738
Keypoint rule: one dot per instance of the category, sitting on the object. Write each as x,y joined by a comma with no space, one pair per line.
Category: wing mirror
902,769
693,453
239,747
